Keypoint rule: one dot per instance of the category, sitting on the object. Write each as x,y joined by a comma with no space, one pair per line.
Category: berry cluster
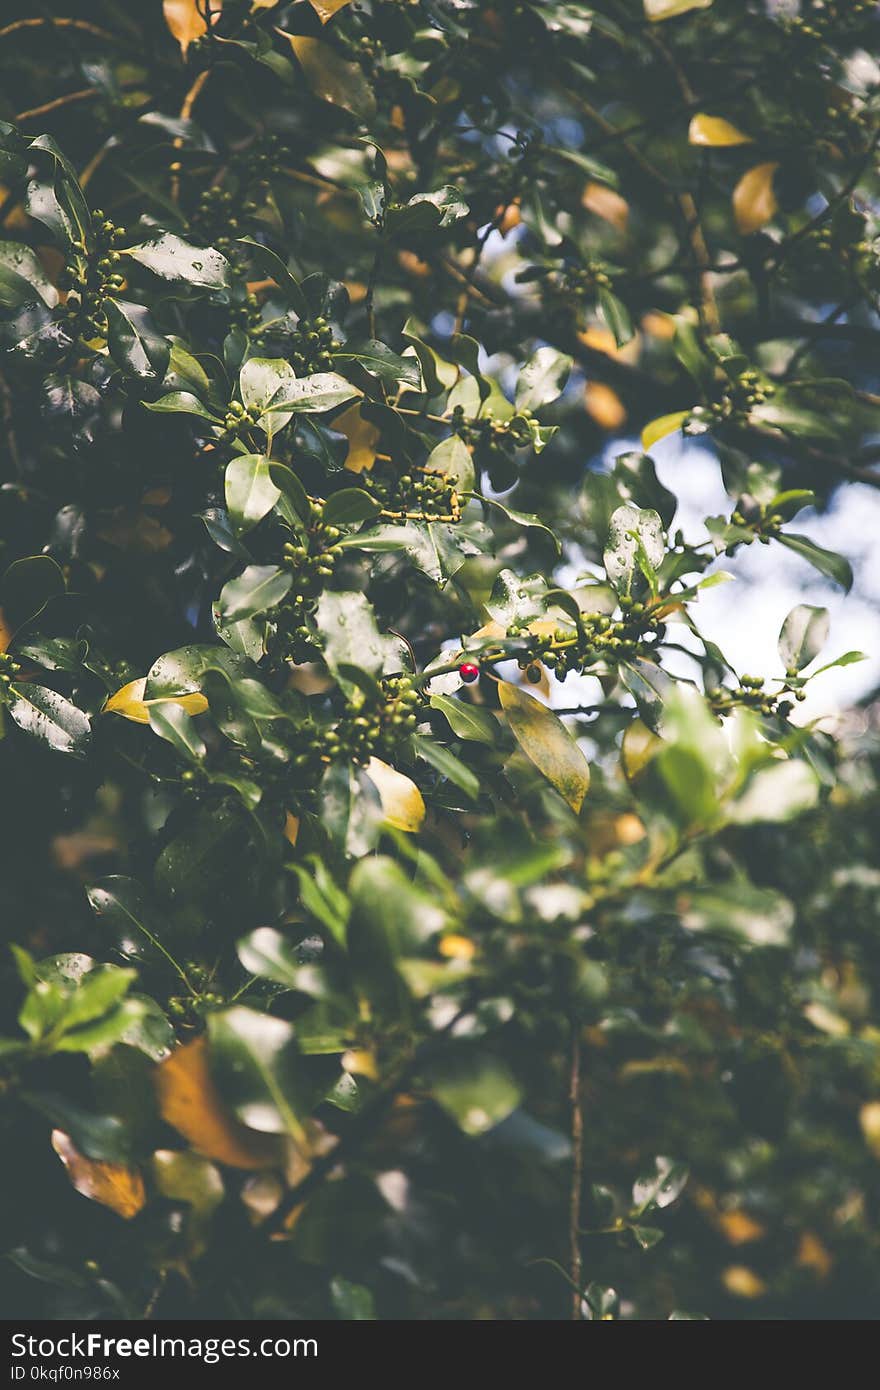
311,346
91,277
8,670
736,402
599,640
416,496
752,694
238,421
491,439
369,727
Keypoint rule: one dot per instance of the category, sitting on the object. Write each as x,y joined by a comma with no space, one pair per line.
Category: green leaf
269,264
542,378
380,361
266,953
616,316
250,492
827,562
448,765
331,77
257,588
467,721
27,586
258,1066
476,1089
50,717
172,258
547,743
803,636
660,1188
182,403
130,920
350,506
635,549
134,342
452,458
22,278
352,641
171,722
320,391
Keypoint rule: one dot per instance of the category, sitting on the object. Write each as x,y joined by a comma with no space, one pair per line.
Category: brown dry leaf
191,1104
141,533
185,21
5,633
605,203
326,9
362,439
413,265
111,1184
754,201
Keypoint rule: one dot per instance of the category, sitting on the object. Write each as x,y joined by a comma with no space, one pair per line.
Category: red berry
468,672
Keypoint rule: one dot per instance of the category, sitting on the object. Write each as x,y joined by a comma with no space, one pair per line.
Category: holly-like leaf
803,636
172,258
547,743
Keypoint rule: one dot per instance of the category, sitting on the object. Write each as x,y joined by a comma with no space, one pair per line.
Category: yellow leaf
629,829
111,1184
547,743
716,131
603,202
658,325
291,827
812,1254
655,10
402,804
743,1282
869,1119
361,1062
637,749
663,425
5,633
191,1104
455,947
130,702
187,1177
362,439
326,9
604,406
754,201
739,1228
185,20
331,77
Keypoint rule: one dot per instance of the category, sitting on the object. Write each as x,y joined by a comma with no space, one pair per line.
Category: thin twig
84,94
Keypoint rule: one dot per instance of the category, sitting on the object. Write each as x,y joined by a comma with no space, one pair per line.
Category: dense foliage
411,914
